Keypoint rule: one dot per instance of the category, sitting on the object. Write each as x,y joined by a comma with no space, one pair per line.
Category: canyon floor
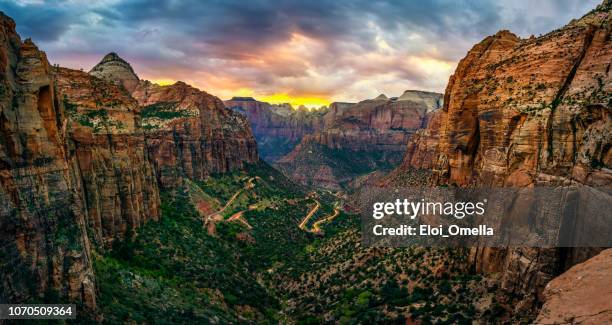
252,246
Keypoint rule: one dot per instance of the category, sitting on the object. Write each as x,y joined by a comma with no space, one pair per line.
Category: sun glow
163,82
296,101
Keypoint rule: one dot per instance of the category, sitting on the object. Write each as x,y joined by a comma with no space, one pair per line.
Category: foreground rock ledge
582,295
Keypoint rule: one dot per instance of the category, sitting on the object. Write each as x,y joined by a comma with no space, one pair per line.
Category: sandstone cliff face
278,129
43,241
80,157
118,182
582,295
188,133
359,138
523,113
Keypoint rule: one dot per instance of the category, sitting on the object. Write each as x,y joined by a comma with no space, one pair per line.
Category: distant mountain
278,128
359,138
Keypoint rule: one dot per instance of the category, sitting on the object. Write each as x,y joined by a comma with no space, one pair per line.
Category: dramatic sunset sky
304,52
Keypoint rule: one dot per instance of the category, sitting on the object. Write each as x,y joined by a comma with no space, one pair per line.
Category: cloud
344,50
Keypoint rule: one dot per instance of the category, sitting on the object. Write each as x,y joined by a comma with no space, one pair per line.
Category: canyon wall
43,237
524,112
277,128
82,160
358,139
188,132
118,181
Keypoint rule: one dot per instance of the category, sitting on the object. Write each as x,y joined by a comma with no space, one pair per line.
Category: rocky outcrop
190,133
277,128
359,138
582,295
115,69
43,240
81,158
523,113
118,182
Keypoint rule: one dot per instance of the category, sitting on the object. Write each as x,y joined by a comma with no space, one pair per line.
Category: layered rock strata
43,237
277,128
357,139
521,113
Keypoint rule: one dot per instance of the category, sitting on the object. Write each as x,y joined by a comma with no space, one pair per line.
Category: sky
303,52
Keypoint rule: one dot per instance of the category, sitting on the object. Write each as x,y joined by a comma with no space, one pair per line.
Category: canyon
83,157
523,113
357,139
278,128
99,172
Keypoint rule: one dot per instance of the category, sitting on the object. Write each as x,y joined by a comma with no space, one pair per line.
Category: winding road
316,227
309,215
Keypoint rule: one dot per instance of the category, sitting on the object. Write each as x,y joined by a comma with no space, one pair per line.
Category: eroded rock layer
277,128
118,181
190,133
524,112
43,239
357,139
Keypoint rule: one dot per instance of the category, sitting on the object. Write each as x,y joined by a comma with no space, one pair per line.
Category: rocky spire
115,69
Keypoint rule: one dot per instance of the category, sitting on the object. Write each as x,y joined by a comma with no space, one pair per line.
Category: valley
147,203
287,259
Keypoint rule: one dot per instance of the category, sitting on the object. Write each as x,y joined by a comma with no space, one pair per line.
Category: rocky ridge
277,128
523,112
359,138
83,158
188,132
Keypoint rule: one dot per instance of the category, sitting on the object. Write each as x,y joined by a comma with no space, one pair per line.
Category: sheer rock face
118,181
43,241
115,69
582,295
522,113
374,130
190,133
278,129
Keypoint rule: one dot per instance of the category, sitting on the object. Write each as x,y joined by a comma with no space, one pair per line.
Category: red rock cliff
522,113
119,185
43,239
189,133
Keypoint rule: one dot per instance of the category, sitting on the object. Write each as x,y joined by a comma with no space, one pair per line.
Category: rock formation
359,138
189,133
43,239
115,69
582,295
523,113
277,128
118,181
82,156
